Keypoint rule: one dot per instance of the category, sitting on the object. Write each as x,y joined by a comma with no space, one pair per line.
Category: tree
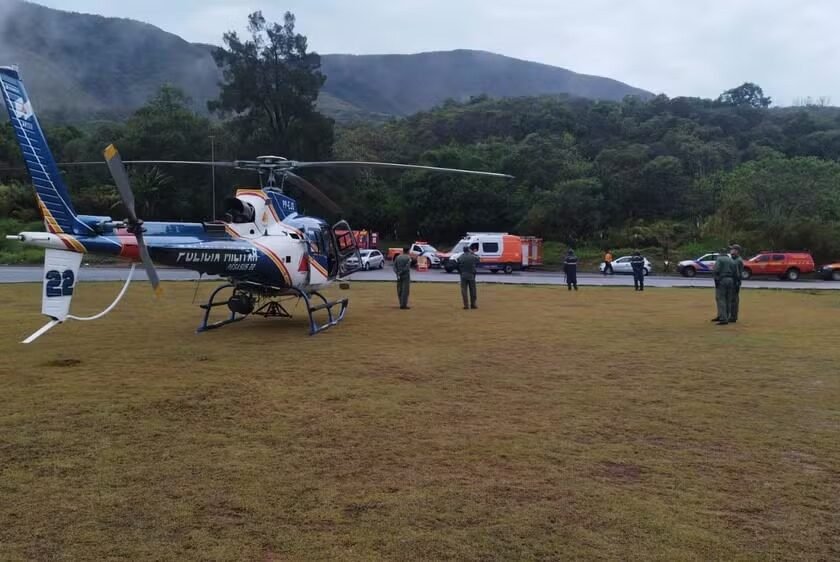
270,84
569,212
745,95
791,203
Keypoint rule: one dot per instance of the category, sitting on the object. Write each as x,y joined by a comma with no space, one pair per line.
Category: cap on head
466,248
406,249
735,247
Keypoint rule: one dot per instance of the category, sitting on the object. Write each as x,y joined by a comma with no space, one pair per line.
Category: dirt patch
68,362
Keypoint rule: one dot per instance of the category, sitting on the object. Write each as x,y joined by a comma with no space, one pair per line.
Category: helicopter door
320,250
349,259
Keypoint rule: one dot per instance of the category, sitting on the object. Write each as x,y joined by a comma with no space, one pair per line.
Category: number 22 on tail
59,284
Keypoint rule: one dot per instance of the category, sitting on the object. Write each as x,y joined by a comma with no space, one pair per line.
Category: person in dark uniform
570,269
725,272
735,252
467,265
402,267
637,262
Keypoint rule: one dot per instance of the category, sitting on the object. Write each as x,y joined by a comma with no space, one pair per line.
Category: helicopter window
238,211
294,236
314,238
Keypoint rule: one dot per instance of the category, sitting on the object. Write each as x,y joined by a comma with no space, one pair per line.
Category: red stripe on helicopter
128,245
255,192
313,262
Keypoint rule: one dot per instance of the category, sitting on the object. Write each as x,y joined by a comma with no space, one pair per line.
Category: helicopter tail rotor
135,225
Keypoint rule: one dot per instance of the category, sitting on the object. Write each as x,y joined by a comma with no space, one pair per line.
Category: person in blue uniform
570,269
637,262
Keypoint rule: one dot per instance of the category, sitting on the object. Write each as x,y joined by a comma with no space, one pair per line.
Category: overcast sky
679,47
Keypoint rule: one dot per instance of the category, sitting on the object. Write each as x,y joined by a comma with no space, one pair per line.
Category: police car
703,264
624,264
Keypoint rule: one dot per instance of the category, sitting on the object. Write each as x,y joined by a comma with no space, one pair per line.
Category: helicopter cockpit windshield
238,211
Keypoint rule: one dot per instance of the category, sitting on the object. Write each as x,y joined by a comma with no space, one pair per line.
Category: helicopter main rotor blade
312,191
117,169
351,164
217,164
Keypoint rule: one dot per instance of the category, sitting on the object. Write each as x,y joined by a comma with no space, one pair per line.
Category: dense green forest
661,173
637,173
658,173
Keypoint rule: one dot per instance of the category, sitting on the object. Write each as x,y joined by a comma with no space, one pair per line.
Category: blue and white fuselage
264,241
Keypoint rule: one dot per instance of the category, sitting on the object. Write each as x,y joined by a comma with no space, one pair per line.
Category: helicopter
264,249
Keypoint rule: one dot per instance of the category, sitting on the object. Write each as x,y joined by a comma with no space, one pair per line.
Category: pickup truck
419,248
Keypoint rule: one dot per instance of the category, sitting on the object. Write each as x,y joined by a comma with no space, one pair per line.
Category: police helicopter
264,249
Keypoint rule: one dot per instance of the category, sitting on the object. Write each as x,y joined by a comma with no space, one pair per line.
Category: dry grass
546,425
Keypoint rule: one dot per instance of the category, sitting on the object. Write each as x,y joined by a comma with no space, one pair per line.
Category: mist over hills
81,66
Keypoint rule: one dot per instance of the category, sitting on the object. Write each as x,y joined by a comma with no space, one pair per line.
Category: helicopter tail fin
53,197
61,269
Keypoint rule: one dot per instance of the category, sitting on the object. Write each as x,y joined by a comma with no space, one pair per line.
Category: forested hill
406,84
664,172
79,66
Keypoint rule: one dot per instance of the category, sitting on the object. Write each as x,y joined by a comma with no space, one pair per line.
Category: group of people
728,272
637,262
467,265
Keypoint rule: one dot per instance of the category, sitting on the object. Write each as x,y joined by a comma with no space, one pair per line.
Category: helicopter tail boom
53,196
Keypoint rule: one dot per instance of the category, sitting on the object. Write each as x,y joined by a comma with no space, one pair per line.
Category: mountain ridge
82,66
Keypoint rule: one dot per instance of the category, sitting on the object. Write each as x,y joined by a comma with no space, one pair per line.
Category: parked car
703,264
622,265
371,259
830,272
785,265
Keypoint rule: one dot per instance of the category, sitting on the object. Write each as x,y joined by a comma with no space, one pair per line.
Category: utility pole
213,170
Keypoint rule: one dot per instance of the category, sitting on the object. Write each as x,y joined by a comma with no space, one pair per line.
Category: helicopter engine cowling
238,211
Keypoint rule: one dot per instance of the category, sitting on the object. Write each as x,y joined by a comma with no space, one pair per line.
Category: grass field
545,425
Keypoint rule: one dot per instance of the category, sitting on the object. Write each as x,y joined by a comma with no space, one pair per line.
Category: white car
703,264
372,259
426,250
622,265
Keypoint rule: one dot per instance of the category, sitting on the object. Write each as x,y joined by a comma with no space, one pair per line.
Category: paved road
30,274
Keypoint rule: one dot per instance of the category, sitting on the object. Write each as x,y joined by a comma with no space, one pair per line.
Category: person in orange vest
608,259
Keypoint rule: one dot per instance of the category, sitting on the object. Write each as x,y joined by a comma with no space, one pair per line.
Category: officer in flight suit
725,273
402,267
735,252
467,265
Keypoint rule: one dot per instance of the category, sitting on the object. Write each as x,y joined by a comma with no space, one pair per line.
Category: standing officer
735,252
402,267
725,272
637,262
570,269
467,265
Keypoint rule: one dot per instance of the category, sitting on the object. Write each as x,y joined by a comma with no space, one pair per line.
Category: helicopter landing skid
274,308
